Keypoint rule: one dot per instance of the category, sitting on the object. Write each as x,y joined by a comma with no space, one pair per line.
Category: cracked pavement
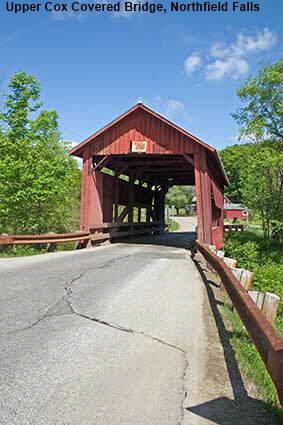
113,335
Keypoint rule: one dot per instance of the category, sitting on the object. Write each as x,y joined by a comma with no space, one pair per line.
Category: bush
247,254
264,257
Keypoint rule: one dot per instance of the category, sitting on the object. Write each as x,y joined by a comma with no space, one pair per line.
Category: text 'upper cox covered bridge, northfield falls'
155,154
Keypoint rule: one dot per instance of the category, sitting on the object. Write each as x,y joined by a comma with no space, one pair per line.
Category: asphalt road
98,336
121,334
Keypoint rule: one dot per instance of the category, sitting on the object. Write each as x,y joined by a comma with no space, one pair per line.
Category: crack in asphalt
153,338
128,330
64,307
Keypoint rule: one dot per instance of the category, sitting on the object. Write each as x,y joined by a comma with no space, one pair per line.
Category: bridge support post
131,199
92,193
203,195
159,204
116,196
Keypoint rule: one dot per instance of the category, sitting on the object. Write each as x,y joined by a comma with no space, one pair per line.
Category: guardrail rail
46,238
97,233
267,340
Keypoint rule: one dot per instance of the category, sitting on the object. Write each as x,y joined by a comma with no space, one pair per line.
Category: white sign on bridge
139,146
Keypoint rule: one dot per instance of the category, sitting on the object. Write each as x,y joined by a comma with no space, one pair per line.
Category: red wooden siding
101,192
161,138
230,214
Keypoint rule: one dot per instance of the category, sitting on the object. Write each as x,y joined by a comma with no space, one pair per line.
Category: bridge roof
188,140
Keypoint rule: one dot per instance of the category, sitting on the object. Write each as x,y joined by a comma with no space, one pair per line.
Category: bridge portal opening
129,166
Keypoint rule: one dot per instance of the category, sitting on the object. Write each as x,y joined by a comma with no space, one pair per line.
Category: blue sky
186,65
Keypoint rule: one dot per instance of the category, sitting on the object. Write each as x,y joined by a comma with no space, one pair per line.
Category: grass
251,364
265,258
27,250
173,225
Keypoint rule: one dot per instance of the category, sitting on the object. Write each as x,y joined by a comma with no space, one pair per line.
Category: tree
262,118
234,161
257,174
39,181
179,197
19,103
262,186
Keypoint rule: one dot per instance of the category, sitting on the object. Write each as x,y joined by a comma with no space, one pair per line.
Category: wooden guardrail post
245,277
267,302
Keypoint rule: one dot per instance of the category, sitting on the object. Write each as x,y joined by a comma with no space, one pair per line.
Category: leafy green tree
19,103
39,181
256,170
262,186
234,161
263,116
179,197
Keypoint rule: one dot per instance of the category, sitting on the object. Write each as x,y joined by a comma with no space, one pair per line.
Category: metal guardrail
266,339
99,232
44,238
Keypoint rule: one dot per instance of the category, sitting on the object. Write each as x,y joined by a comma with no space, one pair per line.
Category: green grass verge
251,364
264,257
27,250
173,225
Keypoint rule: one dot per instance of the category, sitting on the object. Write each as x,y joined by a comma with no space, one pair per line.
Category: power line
71,131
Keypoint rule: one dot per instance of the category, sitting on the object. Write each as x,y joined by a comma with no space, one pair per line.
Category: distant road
187,224
115,335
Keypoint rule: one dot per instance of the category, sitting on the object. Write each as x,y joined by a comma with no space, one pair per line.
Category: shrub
247,254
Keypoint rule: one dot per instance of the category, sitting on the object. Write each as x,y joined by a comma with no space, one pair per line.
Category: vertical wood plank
92,192
131,199
198,197
116,196
203,194
270,306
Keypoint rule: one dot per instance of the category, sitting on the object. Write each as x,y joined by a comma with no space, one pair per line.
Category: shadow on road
171,239
242,410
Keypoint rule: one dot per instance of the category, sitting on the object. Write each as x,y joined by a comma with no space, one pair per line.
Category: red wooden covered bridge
147,154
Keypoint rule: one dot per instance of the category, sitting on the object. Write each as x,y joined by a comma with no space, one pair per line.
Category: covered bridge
144,154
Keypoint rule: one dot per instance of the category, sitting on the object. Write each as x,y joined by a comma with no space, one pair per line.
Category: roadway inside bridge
116,335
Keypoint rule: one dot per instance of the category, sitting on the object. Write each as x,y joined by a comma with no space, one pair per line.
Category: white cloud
63,15
175,105
123,13
244,44
262,41
219,50
172,108
237,67
192,63
157,98
230,57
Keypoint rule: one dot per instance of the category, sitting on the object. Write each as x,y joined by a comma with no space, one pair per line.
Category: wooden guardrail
266,339
121,230
236,227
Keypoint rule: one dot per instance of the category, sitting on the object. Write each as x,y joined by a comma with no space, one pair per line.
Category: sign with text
139,146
